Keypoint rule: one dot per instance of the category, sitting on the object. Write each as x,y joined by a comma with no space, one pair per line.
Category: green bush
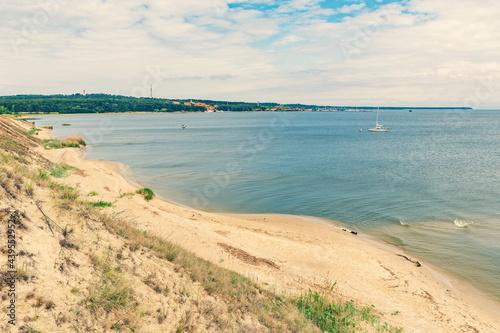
146,192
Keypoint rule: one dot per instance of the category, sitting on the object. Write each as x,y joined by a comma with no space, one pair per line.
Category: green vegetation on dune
60,170
34,131
146,192
100,203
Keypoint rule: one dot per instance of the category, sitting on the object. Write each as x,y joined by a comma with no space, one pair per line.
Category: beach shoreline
305,254
440,274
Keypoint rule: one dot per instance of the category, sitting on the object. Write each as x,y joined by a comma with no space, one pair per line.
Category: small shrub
67,195
29,188
49,305
48,127
22,273
146,192
92,194
42,175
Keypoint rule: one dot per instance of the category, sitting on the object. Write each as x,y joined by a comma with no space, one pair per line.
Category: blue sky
394,53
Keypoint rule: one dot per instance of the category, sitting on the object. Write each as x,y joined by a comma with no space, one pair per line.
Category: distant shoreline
104,103
29,115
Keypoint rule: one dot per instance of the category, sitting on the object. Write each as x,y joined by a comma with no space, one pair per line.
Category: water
431,185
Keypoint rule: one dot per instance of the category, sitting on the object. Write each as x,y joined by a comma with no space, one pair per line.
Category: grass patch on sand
73,141
34,131
112,296
99,204
331,316
146,192
60,170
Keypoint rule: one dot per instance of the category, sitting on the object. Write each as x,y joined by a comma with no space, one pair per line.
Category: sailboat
378,127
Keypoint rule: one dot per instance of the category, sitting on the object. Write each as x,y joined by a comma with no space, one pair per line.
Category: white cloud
346,9
419,52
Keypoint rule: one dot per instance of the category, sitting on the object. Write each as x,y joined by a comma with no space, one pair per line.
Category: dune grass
309,312
112,291
113,295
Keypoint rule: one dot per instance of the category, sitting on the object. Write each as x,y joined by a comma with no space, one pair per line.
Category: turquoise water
431,185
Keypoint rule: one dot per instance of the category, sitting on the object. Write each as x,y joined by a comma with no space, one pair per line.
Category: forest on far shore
105,103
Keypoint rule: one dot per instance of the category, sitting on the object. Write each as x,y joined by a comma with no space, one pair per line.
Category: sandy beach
292,254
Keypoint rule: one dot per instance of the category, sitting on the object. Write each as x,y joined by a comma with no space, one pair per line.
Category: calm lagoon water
431,185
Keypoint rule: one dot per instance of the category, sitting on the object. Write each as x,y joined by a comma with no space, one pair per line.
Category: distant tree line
104,103
93,103
101,103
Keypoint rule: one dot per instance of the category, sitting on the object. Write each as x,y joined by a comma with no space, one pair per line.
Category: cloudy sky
373,52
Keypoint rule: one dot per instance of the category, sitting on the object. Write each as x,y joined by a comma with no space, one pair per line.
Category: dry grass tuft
74,141
49,305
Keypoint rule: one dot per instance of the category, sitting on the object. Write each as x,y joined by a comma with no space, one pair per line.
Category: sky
323,52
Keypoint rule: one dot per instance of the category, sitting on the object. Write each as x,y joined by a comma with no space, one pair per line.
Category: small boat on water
378,127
